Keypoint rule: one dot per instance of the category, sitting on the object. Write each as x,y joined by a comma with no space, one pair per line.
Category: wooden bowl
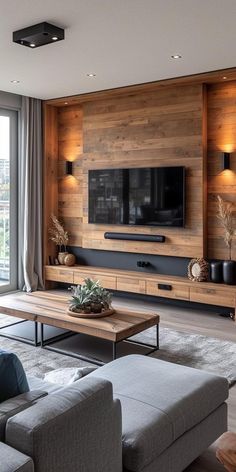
108,312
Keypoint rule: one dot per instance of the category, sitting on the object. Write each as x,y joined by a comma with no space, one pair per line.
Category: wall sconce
226,160
69,168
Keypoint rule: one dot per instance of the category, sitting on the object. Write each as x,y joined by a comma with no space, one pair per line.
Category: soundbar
153,238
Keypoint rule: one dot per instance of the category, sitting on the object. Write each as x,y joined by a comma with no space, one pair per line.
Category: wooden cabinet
164,289
107,281
59,274
221,296
175,288
131,284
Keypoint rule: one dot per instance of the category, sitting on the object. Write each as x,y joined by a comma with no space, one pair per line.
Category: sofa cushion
12,460
14,405
13,380
160,401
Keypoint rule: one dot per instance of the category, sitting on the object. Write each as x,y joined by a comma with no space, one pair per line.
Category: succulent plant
89,297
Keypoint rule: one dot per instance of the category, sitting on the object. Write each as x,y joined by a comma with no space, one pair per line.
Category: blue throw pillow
13,380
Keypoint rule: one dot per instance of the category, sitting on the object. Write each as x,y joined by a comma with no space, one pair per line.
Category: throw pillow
13,380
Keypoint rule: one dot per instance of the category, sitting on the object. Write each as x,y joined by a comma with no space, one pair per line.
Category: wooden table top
50,308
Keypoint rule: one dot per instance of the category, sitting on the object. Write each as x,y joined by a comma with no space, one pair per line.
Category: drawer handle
164,287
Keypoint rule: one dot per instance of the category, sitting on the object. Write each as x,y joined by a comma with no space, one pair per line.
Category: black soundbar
153,238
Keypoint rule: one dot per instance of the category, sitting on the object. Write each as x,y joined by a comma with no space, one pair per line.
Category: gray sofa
169,413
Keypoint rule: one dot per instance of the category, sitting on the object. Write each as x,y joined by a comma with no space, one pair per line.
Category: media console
172,287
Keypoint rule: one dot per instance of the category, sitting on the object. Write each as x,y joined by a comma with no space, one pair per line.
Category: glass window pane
4,200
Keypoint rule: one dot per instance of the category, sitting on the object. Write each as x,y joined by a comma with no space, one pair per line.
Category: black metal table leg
114,351
42,335
157,333
35,333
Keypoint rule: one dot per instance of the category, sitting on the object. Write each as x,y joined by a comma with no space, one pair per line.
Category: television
149,196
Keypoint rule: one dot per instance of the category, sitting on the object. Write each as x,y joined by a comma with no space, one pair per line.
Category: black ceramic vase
229,272
216,272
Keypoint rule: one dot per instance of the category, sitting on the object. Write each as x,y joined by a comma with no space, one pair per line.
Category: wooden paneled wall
221,137
162,127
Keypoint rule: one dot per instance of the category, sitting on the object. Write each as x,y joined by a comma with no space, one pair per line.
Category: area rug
201,352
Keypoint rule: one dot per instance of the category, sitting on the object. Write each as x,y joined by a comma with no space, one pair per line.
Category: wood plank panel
221,138
150,128
147,130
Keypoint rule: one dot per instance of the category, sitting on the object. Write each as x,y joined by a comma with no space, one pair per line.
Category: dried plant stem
225,215
57,233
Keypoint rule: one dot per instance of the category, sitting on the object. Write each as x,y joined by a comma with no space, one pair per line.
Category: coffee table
49,308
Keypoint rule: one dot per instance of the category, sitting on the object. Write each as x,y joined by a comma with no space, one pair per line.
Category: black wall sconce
226,160
69,168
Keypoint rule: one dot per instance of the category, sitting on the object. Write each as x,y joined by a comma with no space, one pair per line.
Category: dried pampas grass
57,233
225,215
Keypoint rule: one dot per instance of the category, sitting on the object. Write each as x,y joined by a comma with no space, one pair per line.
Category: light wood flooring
208,324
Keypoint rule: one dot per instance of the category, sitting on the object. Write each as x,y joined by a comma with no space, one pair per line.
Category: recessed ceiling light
32,45
15,81
176,56
224,78
54,38
91,75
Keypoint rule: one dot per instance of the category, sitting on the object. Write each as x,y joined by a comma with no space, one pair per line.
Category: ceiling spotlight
32,45
91,75
15,81
176,56
54,38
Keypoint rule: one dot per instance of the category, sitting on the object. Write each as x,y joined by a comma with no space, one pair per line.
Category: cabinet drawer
130,284
59,274
107,281
212,296
168,290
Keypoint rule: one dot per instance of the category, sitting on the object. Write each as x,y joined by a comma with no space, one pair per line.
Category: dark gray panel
124,260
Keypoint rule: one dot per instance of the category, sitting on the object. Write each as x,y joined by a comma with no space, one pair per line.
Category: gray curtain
30,196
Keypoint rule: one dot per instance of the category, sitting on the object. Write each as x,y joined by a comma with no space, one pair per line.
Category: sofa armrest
75,429
14,461
16,404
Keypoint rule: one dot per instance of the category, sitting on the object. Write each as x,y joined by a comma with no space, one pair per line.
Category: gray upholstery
75,429
189,446
160,403
14,405
14,461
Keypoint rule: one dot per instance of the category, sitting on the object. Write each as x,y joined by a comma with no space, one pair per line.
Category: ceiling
123,42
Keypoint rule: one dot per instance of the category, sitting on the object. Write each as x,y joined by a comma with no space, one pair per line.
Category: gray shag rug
201,352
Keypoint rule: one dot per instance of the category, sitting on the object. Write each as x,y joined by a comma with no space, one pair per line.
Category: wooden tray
104,313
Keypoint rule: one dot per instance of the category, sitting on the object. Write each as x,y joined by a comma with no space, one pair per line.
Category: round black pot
216,272
229,272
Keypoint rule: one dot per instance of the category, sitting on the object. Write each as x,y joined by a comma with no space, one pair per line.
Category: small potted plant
90,300
225,214
59,236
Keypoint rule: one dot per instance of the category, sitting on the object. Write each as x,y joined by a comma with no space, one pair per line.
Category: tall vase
61,257
216,272
229,272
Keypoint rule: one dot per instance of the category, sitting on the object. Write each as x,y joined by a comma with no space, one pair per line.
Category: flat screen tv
144,196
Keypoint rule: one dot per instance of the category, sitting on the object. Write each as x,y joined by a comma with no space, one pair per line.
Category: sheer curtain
30,196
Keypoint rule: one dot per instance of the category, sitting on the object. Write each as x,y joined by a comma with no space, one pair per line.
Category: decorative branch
225,215
57,233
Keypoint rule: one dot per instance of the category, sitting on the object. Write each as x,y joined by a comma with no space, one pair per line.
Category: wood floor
206,323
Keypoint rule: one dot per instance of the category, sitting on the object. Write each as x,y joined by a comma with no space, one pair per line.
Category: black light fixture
69,168
226,160
38,35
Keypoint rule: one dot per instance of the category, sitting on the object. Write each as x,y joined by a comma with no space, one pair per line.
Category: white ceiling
123,41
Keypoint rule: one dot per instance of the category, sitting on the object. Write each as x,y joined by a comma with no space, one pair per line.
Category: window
8,200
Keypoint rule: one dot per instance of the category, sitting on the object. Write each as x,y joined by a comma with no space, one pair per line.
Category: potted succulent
90,300
225,214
